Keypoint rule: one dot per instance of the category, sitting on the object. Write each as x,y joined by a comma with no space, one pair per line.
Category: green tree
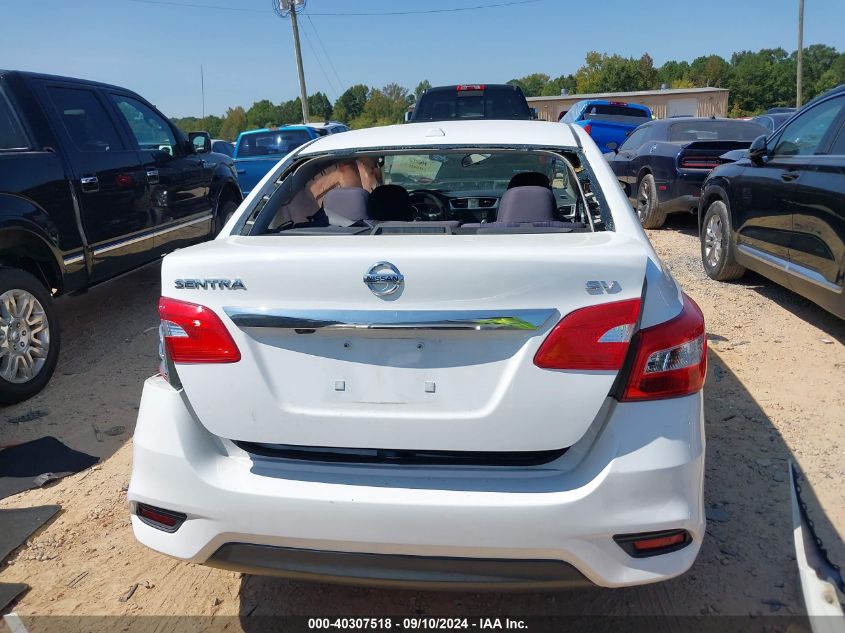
319,107
383,107
290,112
761,80
647,73
424,85
675,75
819,59
233,123
710,70
262,114
830,78
351,103
554,86
532,85
614,73
211,124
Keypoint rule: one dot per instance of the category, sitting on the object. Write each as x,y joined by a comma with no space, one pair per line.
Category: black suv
781,210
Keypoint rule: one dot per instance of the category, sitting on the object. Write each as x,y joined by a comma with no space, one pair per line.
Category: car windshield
449,172
715,130
275,142
469,189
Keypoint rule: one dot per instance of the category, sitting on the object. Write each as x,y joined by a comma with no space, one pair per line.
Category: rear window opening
433,192
715,130
616,110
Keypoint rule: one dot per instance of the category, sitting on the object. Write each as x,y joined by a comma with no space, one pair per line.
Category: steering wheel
427,206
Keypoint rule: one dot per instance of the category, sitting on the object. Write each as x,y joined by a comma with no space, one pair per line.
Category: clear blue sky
157,49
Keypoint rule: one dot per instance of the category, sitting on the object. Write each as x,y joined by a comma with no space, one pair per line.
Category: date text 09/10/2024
416,623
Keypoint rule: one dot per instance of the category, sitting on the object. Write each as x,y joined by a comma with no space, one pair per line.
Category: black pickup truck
94,182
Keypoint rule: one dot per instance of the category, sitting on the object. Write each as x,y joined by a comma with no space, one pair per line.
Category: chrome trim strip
147,236
75,259
525,320
791,268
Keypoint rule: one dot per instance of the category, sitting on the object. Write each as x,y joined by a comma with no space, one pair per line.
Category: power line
194,5
320,64
326,52
427,11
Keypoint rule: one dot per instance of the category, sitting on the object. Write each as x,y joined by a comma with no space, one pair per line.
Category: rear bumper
640,470
683,193
396,570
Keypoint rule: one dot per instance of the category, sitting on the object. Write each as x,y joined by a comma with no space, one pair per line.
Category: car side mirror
407,117
759,150
613,146
200,142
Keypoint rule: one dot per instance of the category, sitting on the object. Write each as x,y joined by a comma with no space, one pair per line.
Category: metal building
663,103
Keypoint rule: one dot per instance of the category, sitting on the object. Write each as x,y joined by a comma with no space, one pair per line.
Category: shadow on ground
109,346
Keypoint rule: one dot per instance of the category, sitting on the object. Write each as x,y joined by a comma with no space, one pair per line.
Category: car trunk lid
445,362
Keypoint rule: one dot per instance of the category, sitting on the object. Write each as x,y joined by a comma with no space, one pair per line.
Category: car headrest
390,203
530,179
345,206
527,204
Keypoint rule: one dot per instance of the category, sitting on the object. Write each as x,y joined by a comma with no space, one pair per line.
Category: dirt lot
774,393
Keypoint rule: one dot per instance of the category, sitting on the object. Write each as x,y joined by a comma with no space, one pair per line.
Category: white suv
429,354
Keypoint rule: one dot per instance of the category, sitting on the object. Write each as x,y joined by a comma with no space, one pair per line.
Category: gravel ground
774,394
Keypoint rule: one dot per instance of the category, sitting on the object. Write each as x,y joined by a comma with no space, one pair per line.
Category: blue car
607,122
257,151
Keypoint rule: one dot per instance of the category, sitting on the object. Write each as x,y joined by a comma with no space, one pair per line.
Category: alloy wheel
713,235
643,201
24,336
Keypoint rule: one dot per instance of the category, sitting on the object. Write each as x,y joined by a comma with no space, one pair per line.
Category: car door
177,176
625,163
817,248
766,201
108,179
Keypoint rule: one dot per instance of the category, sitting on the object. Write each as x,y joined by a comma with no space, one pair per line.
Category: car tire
227,210
648,206
717,247
29,336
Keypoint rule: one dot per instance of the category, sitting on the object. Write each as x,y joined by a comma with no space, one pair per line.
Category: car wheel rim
24,336
643,202
713,235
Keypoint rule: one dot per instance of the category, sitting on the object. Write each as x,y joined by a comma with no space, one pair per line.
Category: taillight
596,337
465,87
670,358
699,162
159,518
588,128
195,334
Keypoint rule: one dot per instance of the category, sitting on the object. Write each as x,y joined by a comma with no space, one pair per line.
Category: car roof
687,119
610,102
830,93
276,129
32,75
444,133
486,86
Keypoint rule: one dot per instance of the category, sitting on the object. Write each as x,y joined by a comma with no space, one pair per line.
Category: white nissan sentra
428,355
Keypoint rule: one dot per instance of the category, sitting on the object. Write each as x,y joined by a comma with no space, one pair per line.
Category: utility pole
289,7
799,82
202,83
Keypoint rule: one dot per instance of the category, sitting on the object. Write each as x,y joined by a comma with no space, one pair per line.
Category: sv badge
602,287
